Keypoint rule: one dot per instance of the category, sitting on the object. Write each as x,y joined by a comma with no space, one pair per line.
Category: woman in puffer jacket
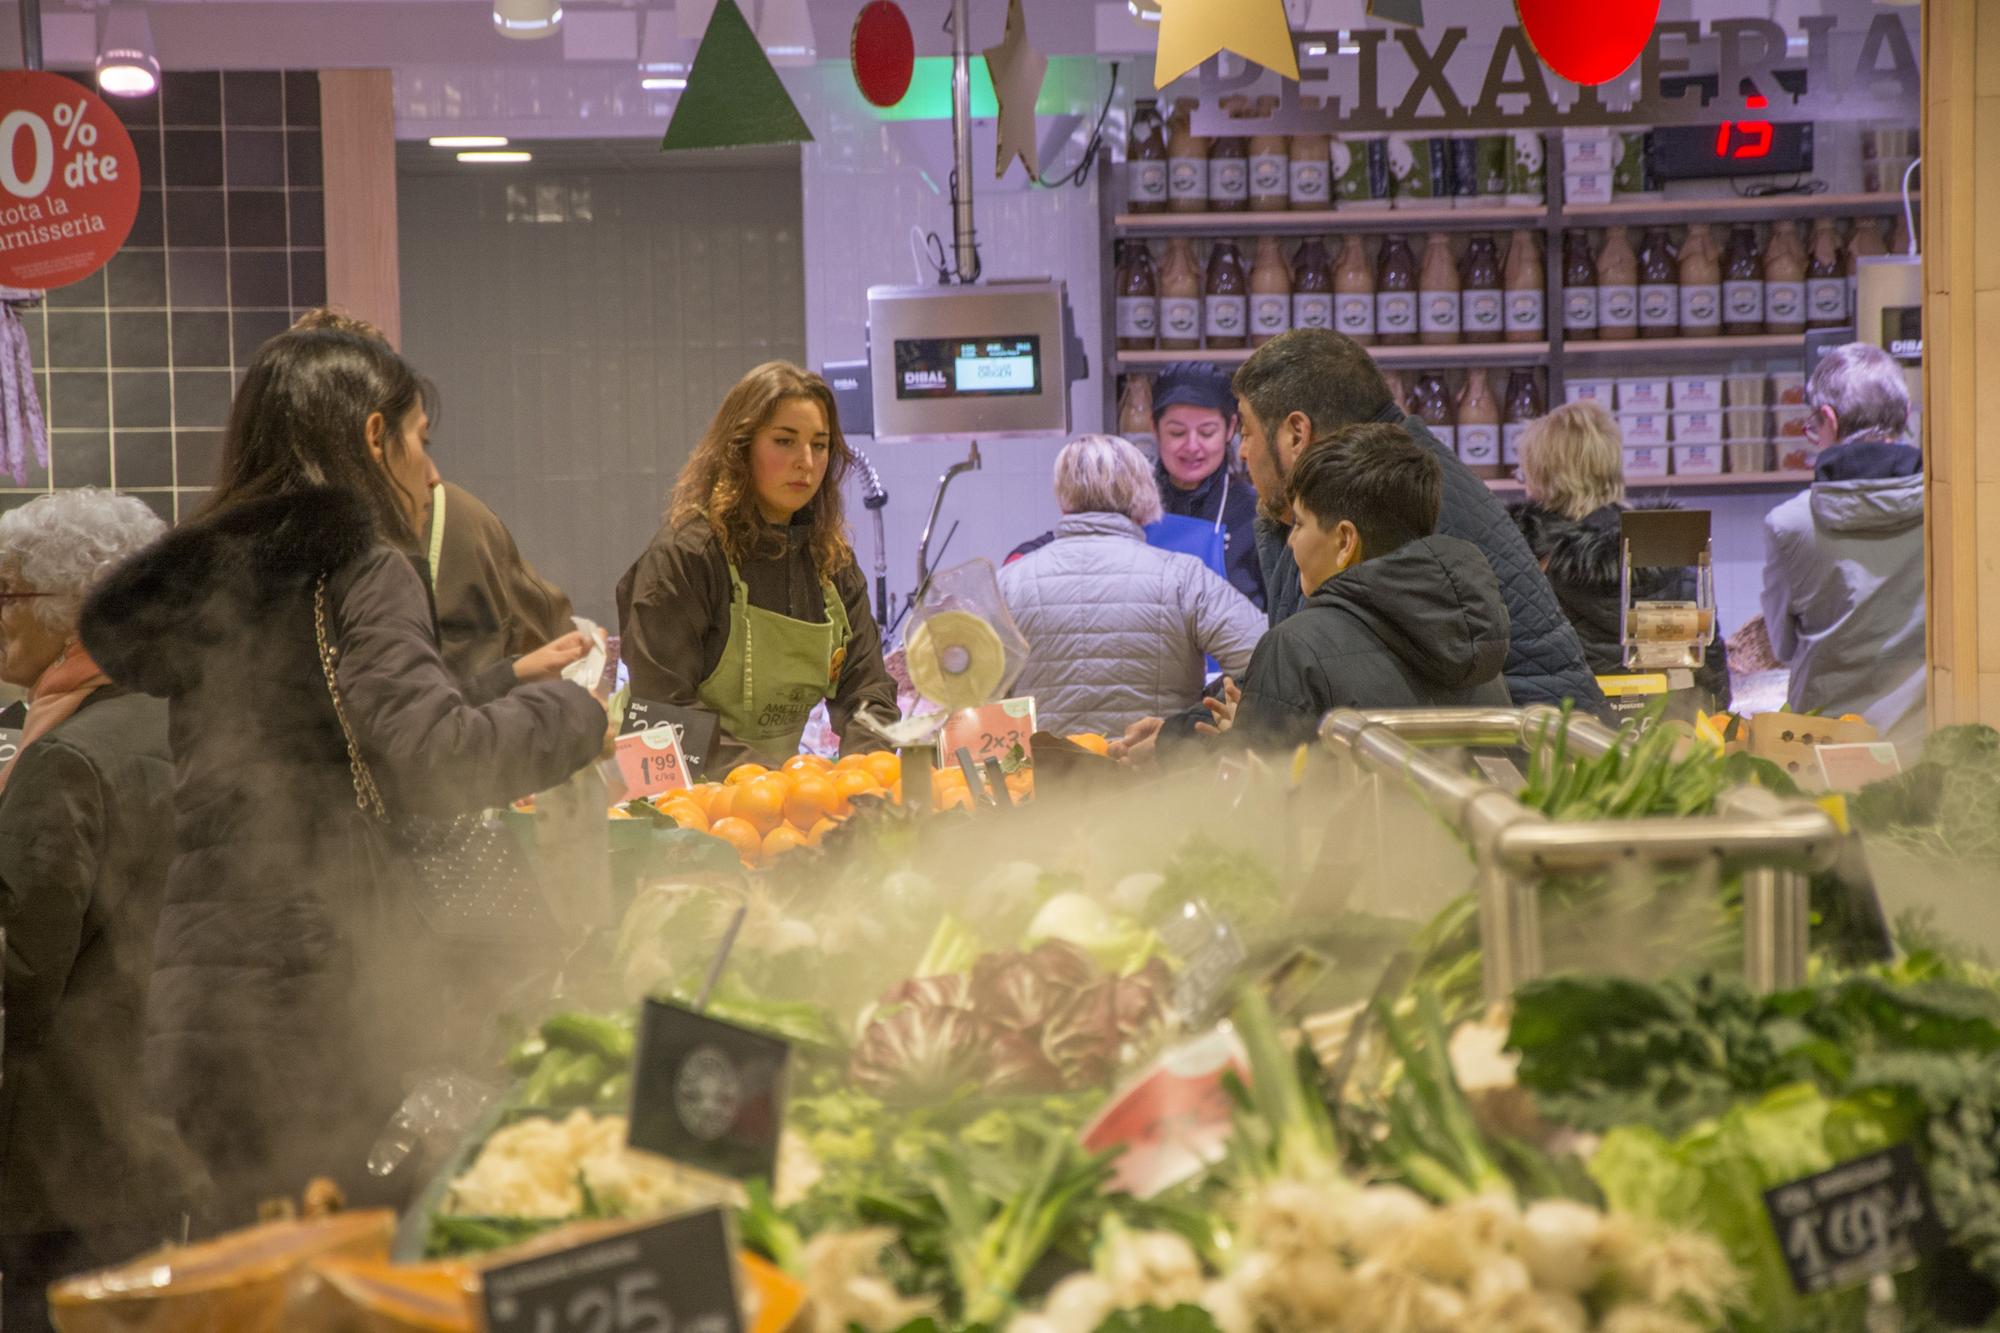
1117,630
1573,466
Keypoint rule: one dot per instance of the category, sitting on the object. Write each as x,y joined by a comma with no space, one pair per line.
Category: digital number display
985,367
1737,146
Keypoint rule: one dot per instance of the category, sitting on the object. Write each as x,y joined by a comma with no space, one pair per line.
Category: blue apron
1206,542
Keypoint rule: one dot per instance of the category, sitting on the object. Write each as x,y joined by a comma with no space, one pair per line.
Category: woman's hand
1223,709
1139,743
549,661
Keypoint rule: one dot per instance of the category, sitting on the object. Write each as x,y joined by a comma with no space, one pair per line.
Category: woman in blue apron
1209,504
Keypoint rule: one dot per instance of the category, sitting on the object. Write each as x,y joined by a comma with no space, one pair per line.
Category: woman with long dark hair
749,603
291,633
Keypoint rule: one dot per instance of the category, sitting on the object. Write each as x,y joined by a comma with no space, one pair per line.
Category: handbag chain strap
367,798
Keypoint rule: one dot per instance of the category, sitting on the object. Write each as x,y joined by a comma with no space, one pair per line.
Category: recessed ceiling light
527,19
468,141
663,84
126,63
483,155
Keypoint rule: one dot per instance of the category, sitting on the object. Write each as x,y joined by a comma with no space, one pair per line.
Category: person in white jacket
1117,629
1844,559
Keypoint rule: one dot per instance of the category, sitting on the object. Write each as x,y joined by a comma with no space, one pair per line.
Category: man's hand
549,661
1139,743
1223,709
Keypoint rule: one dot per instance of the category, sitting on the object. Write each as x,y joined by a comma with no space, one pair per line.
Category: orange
1021,783
686,814
749,844
952,798
856,782
801,764
886,766
702,794
761,804
782,839
1094,744
814,798
743,773
721,804
850,762
819,831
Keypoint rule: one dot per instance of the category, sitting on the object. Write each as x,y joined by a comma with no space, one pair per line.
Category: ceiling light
526,20
786,32
1147,11
483,155
664,83
1313,49
468,141
126,64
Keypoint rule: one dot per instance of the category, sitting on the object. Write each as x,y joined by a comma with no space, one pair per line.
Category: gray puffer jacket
1117,629
1844,599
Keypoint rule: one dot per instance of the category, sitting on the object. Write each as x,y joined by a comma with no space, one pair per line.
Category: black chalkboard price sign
708,1094
677,1276
1845,1225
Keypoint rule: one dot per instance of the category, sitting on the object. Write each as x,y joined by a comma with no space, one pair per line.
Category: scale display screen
982,367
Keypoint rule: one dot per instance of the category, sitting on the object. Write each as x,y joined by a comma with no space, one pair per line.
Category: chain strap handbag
473,883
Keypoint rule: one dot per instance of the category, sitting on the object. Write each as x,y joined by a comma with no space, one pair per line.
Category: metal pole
964,248
1775,925
31,34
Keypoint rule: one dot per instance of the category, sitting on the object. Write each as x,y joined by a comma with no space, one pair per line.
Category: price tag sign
69,181
650,762
694,728
1852,767
708,1094
1845,1225
1174,1119
677,1276
991,732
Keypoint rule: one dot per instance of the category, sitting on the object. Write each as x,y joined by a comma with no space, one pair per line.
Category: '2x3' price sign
677,1276
1842,1226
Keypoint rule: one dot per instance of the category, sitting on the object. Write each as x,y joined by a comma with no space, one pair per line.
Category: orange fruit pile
765,814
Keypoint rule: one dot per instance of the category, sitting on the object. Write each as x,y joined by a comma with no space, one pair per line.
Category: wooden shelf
1726,481
1661,212
1328,221
1455,354
1762,344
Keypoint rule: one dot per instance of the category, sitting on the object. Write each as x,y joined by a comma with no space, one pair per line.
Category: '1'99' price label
1842,1226
69,181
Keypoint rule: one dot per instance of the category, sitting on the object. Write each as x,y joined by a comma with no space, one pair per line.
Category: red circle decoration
1589,41
883,52
69,181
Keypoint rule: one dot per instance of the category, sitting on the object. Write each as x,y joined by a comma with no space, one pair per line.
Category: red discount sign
69,181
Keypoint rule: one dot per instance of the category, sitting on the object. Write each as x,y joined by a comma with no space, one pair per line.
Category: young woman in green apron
749,603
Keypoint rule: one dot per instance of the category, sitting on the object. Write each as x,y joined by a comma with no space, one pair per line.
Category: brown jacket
491,604
673,624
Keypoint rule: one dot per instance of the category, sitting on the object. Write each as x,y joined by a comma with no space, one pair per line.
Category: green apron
773,671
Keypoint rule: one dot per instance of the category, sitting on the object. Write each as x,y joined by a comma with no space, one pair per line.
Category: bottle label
1785,302
1483,311
1149,182
1187,178
1309,183
1180,318
1227,316
1618,306
1510,441
1524,312
1701,306
1659,306
1354,313
1579,308
1438,312
1743,301
1270,315
1312,310
1270,174
1395,313
1479,446
1138,317
1229,179
1826,298
1446,436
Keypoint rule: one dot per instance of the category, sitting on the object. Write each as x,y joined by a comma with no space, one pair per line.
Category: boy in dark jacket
1394,615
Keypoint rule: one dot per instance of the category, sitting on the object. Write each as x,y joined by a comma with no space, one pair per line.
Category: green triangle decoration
733,97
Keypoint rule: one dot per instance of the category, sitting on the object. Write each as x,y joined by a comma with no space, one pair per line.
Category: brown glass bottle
1617,287
1701,284
1180,298
1479,426
1270,293
1146,158
1225,300
1525,404
1865,243
1312,286
1785,280
1187,162
1521,281
1432,401
1396,293
1438,303
1659,287
1826,284
1579,288
1742,284
1482,303
1138,299
1229,168
1135,407
1270,166
1354,292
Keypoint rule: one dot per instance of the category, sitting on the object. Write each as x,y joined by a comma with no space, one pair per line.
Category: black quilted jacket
1545,662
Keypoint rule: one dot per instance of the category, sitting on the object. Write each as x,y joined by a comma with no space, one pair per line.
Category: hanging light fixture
785,31
526,20
126,63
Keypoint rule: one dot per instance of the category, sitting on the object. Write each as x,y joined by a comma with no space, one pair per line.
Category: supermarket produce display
1104,1062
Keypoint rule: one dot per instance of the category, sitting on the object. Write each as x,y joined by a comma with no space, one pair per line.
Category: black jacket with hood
283,1013
1421,627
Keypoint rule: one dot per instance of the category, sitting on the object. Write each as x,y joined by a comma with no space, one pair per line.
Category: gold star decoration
1193,30
1017,71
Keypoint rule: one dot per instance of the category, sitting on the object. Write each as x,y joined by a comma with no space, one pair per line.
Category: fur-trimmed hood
215,577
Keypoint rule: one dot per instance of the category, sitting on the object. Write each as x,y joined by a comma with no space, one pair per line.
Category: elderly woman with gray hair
87,1177
1844,560
1117,629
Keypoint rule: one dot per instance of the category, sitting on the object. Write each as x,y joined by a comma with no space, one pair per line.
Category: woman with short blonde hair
1117,629
1573,460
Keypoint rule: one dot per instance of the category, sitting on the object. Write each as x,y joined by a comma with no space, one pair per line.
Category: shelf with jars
1328,222
1461,354
1656,209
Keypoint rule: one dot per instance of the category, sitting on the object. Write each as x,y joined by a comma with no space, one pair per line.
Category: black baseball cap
1194,384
